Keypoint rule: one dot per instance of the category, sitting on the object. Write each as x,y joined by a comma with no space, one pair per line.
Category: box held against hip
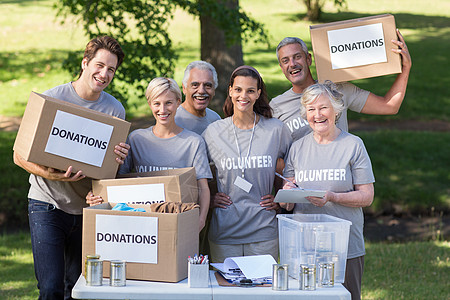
59,134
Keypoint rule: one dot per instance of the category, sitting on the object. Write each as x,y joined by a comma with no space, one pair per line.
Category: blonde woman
166,145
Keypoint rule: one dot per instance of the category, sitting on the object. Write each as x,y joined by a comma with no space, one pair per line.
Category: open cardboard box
355,49
59,134
175,185
154,245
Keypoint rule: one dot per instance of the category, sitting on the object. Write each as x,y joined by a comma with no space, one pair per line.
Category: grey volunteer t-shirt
245,221
336,167
70,196
186,120
150,153
286,107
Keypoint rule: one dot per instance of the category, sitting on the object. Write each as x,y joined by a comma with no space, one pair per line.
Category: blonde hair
329,89
160,85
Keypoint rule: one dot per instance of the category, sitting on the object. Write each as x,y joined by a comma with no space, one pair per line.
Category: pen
198,259
284,178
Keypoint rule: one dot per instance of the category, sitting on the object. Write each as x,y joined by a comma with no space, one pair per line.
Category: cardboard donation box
59,134
155,246
175,185
355,49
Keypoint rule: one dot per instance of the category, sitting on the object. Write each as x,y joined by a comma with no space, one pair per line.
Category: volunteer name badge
243,184
129,238
137,193
357,46
79,138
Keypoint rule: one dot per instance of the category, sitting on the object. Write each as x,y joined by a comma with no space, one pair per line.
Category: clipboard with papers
258,268
297,195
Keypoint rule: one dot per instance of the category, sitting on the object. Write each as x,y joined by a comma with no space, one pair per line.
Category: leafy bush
14,187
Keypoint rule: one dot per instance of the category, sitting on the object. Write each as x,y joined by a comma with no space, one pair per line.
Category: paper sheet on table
297,195
255,266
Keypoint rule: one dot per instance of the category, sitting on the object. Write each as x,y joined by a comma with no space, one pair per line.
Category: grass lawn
17,279
411,170
416,270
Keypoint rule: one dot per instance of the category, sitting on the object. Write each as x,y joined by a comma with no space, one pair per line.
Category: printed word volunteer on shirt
321,175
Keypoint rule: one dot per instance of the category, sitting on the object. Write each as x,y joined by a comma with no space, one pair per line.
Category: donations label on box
155,245
357,46
145,193
175,185
72,137
58,134
355,49
128,238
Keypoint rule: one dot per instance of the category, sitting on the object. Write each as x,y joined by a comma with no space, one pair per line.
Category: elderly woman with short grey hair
337,162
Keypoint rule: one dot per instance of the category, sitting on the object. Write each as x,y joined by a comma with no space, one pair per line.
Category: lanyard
249,145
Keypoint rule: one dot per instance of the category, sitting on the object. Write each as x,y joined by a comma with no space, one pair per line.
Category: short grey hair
160,85
290,41
329,89
201,65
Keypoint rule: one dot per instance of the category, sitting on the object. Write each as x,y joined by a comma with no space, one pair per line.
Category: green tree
314,8
140,26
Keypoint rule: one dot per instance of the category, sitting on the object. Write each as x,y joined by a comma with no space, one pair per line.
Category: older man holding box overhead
295,60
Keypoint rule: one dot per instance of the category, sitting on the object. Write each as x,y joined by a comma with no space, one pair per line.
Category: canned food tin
326,274
307,277
280,277
94,272
89,257
118,273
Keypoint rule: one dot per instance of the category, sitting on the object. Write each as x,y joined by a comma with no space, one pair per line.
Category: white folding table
136,289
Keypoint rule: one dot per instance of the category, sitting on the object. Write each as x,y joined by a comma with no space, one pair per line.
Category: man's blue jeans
56,243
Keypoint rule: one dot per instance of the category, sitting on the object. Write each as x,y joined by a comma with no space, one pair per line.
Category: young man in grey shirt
57,198
199,86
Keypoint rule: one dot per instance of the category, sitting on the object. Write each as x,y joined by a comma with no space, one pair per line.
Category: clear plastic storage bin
312,239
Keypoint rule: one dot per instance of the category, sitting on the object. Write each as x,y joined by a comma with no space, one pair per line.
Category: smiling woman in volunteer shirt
166,145
337,162
244,148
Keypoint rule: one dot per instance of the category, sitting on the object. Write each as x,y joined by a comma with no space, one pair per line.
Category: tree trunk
225,58
313,9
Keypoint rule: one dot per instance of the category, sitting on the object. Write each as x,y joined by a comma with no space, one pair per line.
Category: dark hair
261,105
103,42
